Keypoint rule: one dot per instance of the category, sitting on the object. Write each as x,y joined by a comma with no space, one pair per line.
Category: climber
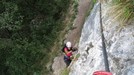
68,49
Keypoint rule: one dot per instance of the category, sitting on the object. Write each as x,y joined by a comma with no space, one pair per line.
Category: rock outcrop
58,65
119,44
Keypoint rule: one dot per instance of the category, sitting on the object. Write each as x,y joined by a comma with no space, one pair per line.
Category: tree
28,29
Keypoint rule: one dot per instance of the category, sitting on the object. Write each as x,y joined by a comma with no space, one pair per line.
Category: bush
123,10
28,30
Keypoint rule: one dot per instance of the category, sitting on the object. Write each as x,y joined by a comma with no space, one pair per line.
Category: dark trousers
67,60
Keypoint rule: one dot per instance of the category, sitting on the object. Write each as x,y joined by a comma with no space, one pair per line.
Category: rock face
119,44
58,65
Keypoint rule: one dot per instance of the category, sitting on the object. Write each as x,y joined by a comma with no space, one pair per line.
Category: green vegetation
77,56
65,72
75,5
28,30
94,1
91,5
123,10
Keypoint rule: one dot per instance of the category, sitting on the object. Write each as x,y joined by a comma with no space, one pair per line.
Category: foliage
28,29
123,10
91,5
94,1
77,56
75,5
65,71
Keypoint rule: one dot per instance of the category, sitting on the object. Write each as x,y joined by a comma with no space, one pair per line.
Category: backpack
63,48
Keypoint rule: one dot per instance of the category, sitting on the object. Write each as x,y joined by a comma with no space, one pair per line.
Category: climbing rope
103,43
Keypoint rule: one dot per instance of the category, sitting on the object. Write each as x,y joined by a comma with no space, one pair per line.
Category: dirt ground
75,34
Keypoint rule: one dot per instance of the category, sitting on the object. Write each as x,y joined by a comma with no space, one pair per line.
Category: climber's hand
74,49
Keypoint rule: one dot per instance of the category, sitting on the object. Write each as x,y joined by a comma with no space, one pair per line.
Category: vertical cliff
119,44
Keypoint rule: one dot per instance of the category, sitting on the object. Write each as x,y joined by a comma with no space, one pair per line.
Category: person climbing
68,49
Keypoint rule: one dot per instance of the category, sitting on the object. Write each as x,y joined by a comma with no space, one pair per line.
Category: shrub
122,10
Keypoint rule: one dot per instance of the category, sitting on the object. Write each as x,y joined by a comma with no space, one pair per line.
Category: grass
92,3
65,71
122,10
75,5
